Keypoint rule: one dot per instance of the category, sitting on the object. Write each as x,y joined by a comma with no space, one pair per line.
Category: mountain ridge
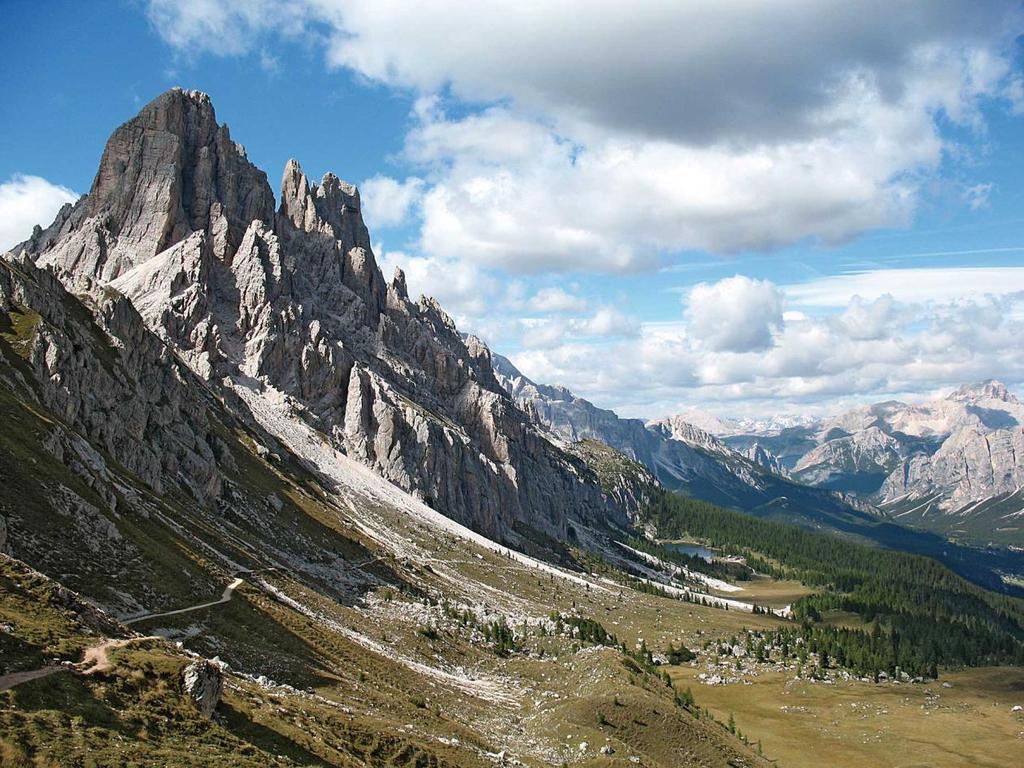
952,463
681,456
180,222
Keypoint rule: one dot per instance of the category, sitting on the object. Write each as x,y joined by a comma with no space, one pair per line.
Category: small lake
695,550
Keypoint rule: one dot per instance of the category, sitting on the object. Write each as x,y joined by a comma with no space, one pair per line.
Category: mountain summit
984,390
292,300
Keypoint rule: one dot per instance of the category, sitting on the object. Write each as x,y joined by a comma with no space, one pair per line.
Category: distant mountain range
690,460
955,464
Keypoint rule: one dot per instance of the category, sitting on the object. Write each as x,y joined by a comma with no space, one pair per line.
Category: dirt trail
229,591
95,658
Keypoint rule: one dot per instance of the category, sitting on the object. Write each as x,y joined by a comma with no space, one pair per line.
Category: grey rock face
763,457
952,452
112,381
182,225
203,681
169,172
969,466
868,451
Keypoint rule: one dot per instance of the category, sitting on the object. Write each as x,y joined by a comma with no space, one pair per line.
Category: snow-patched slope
363,492
356,484
688,592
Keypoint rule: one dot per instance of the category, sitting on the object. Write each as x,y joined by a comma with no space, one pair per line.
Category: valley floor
806,724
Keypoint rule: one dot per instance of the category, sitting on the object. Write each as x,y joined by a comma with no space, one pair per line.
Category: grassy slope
383,700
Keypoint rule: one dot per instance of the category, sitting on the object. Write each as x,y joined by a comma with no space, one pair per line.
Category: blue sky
751,208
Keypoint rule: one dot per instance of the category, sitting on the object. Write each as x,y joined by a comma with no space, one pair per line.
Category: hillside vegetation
919,615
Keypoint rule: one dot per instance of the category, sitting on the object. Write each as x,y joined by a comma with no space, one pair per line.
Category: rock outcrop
203,682
111,380
180,226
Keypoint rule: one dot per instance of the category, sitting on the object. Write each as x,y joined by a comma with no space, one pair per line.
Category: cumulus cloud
550,332
26,201
736,314
653,129
608,321
544,203
543,334
388,202
866,320
863,352
689,71
556,300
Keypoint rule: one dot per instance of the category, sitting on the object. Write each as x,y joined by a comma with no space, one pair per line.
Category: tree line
917,614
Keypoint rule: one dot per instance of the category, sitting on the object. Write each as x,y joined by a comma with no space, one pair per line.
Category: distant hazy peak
984,390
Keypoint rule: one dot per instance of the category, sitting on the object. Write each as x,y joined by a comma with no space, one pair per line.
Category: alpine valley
260,507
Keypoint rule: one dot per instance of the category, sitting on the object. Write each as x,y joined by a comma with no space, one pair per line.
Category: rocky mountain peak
167,173
398,283
332,206
677,428
181,224
984,390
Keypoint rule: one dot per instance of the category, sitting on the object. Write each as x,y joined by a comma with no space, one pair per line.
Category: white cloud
653,129
682,70
26,201
736,314
605,323
556,300
227,28
544,334
861,352
542,203
388,202
911,285
866,320
976,195
608,321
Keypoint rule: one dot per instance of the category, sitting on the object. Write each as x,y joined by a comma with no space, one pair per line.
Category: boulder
203,681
